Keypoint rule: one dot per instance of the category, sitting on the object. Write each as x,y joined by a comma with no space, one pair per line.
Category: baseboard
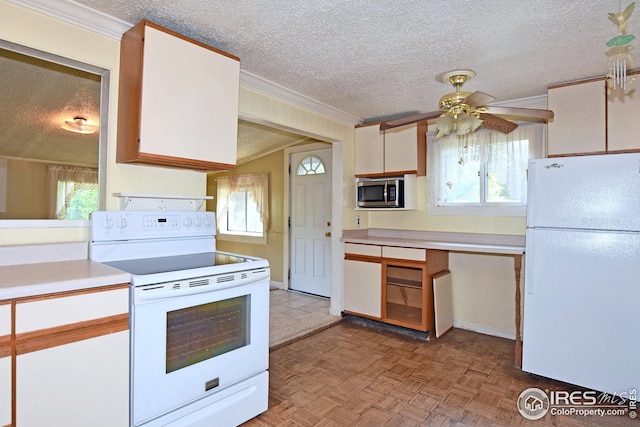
485,330
277,285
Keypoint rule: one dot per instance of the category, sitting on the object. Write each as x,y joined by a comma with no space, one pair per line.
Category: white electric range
199,318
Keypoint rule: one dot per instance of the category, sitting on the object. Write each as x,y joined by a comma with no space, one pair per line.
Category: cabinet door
85,383
369,150
72,359
579,122
405,149
178,101
5,364
405,299
189,100
362,288
623,126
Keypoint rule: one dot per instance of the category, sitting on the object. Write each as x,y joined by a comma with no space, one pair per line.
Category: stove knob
122,222
207,221
107,223
188,222
198,221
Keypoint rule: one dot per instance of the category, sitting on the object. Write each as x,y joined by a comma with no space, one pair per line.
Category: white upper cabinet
591,119
396,151
579,122
623,120
369,150
178,101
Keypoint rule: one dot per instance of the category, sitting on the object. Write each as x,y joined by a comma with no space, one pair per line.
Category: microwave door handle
385,193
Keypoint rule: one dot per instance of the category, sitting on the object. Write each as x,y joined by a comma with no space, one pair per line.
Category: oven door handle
149,292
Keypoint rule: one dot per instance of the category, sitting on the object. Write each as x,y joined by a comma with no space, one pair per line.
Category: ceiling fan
464,112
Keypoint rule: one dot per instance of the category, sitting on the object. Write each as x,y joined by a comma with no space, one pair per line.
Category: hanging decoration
620,57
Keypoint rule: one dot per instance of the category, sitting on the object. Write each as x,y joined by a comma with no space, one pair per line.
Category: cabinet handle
327,234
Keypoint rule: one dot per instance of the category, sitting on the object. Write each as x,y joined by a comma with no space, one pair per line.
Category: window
484,169
242,206
73,192
310,165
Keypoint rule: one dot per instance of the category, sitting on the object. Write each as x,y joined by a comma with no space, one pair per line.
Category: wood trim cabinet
70,358
178,101
590,119
392,284
397,151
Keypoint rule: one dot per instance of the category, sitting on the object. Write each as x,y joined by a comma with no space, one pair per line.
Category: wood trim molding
65,294
28,342
5,346
363,258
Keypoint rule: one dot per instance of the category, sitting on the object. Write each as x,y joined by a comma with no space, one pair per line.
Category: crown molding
251,81
90,19
79,15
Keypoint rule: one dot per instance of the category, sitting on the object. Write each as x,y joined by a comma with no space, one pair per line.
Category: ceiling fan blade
415,118
497,123
524,113
478,99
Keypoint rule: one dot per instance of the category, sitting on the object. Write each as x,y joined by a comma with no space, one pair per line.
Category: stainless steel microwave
381,193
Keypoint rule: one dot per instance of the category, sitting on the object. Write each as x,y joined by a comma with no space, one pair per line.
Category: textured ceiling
378,59
36,97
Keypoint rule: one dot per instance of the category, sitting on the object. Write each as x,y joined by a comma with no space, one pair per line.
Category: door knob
327,234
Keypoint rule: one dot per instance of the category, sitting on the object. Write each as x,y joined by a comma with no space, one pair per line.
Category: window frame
484,208
222,231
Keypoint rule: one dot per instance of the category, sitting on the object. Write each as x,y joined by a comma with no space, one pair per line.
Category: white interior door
310,218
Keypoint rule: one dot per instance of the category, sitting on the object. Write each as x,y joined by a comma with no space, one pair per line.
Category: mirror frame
102,133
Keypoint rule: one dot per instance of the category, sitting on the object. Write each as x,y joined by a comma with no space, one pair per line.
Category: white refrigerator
582,271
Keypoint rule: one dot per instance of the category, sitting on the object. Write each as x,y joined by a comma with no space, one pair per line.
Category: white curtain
257,184
63,182
503,157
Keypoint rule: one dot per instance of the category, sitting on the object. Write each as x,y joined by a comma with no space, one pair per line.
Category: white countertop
29,270
458,242
49,277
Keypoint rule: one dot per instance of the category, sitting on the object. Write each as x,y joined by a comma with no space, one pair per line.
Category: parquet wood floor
350,375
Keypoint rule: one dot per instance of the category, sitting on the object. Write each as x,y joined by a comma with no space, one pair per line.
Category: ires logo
534,403
574,398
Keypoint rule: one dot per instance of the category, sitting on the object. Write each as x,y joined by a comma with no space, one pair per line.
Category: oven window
204,331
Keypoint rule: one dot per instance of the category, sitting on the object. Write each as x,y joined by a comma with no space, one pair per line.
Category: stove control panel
128,225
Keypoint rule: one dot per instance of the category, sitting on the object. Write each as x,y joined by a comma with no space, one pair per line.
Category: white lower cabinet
85,383
363,280
5,363
72,359
5,391
362,287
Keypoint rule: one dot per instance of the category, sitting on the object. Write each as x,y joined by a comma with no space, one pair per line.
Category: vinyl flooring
353,375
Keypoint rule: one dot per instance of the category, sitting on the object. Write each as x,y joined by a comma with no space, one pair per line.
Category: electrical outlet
357,221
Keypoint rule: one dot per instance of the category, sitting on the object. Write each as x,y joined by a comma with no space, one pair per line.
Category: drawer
367,250
5,320
404,253
64,310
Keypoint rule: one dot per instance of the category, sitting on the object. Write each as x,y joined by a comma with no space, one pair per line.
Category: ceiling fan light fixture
80,125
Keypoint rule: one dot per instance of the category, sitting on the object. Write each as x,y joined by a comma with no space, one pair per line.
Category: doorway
310,221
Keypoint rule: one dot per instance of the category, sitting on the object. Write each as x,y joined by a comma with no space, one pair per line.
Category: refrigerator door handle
529,272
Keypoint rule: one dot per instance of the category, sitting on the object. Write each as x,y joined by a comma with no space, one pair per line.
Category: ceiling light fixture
79,125
458,116
620,57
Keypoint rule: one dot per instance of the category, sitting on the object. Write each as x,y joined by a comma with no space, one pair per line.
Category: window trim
487,209
243,237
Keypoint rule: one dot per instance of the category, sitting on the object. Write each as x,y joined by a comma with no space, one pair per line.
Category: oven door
196,343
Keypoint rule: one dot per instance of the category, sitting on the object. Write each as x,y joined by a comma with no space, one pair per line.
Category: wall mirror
53,142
